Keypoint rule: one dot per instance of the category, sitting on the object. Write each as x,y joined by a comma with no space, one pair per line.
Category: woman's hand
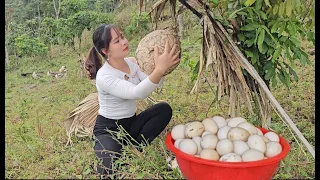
167,59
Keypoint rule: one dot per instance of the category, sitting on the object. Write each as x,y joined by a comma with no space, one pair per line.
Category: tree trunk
145,6
16,57
56,9
39,17
7,55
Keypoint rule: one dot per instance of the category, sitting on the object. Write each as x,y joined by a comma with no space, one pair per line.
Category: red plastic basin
194,168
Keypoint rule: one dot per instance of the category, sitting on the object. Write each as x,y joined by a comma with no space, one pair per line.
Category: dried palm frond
81,120
157,9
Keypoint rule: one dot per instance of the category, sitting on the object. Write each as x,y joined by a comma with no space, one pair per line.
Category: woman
120,82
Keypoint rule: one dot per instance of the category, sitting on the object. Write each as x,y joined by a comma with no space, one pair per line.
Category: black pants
145,126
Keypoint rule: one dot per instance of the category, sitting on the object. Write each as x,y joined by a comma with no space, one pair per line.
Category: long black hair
101,39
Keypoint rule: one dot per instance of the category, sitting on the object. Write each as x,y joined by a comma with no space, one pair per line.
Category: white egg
266,140
188,146
272,136
176,143
210,125
239,147
209,141
209,154
223,132
227,120
231,157
238,133
256,142
252,155
249,127
259,132
233,122
205,133
178,131
224,146
193,129
273,149
220,121
197,140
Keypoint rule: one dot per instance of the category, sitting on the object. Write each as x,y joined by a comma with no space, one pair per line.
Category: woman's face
119,46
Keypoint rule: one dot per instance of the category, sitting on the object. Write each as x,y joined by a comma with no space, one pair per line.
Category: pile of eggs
227,140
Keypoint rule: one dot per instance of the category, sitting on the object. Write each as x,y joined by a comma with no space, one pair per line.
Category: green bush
139,26
27,46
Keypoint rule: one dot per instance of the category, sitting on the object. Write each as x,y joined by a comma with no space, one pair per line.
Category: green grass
35,108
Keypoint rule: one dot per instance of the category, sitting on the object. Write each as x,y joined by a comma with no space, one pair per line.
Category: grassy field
35,108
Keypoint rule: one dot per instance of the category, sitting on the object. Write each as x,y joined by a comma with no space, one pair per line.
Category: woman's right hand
167,59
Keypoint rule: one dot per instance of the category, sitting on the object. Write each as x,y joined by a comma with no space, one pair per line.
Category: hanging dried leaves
216,56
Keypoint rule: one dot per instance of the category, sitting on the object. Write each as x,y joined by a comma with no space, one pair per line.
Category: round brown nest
145,49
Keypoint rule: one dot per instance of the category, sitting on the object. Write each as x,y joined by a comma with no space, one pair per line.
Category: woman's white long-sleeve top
118,91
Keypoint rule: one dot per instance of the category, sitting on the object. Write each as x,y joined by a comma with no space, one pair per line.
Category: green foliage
70,7
13,30
102,18
64,31
75,16
31,27
269,36
29,46
48,31
139,25
32,9
80,21
73,26
192,64
106,6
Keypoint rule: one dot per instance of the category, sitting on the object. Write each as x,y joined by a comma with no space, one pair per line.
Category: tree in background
52,22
